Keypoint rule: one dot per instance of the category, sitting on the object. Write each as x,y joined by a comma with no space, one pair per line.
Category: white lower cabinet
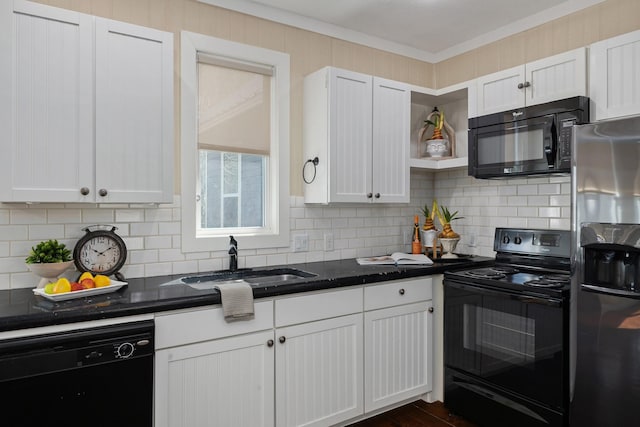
211,373
319,372
319,362
313,359
398,342
225,382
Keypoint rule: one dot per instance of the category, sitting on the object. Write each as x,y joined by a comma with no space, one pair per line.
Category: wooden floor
416,414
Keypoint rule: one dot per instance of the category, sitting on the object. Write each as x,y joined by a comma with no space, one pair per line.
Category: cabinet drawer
186,327
308,308
397,293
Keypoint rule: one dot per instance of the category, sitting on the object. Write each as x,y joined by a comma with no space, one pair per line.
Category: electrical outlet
300,243
473,241
328,242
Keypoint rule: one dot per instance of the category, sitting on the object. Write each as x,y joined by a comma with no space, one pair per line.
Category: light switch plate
300,243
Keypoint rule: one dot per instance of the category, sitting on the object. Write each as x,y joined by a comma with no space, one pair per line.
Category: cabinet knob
84,191
377,195
430,309
270,343
527,84
282,339
103,192
520,85
369,195
401,291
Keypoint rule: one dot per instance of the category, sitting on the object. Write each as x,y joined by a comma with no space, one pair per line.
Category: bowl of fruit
87,285
48,260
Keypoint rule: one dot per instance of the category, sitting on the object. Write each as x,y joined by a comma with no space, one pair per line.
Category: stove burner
549,281
504,269
496,272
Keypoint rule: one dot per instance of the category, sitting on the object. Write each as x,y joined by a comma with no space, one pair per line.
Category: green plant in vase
445,217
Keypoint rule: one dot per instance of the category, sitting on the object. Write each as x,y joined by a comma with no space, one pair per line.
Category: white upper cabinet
556,77
87,108
614,77
358,127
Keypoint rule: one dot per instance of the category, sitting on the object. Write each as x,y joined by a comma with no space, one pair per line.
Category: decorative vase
438,148
448,246
428,236
49,272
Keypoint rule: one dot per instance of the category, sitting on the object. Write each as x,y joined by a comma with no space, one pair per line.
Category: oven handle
609,291
524,298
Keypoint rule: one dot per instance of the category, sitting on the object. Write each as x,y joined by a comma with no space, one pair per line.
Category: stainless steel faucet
233,254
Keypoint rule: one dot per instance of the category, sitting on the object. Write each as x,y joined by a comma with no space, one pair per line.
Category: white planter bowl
49,271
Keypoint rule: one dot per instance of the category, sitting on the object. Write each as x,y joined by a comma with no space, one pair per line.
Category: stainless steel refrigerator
605,300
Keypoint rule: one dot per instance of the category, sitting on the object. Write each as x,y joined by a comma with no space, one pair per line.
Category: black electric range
527,261
506,333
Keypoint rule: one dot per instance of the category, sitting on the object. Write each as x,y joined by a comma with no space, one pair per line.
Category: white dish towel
237,300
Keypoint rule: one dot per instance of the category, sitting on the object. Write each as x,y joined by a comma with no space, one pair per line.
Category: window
235,145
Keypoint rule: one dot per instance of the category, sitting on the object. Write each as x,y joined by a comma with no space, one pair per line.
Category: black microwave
527,141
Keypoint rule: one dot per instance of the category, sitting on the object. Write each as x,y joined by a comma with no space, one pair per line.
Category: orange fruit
62,285
85,275
101,280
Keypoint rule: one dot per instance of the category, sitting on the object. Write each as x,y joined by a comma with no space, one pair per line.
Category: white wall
152,233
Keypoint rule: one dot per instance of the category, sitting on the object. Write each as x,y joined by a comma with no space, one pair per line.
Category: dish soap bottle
416,242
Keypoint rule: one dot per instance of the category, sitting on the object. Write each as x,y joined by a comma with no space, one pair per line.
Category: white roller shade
234,105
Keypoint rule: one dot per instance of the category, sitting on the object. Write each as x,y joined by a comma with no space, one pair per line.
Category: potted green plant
438,145
445,216
49,259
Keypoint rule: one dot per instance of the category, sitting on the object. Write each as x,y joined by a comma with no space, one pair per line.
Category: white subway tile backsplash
129,215
45,232
64,216
153,233
98,216
28,216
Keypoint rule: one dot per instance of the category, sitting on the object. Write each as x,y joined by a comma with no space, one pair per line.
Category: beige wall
604,20
310,51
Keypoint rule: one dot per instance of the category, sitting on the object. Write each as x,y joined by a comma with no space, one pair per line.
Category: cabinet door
499,91
46,112
227,382
557,77
319,372
134,113
398,354
391,124
614,80
350,100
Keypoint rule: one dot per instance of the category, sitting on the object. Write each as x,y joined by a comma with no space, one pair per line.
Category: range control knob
517,240
506,239
125,350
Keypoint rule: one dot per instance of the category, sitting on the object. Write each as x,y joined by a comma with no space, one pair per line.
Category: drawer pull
401,291
282,339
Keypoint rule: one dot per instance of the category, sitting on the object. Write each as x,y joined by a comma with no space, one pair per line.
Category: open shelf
453,101
432,163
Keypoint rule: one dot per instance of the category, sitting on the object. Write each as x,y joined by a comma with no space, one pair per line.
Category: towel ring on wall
314,162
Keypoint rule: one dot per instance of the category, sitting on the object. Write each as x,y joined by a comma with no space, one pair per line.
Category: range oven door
512,341
521,147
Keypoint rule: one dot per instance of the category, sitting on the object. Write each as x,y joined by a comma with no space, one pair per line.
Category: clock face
100,253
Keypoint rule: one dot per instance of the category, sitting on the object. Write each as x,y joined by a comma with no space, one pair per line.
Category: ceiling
430,30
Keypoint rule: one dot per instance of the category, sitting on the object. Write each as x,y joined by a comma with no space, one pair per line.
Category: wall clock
100,251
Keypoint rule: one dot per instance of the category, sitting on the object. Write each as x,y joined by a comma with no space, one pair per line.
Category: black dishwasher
90,377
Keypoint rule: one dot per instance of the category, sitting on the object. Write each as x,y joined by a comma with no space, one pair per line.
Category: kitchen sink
256,278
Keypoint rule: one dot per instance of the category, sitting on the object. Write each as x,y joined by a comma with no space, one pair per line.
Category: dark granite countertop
21,309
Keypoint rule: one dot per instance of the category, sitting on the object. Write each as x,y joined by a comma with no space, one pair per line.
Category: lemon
101,280
62,285
48,288
85,275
